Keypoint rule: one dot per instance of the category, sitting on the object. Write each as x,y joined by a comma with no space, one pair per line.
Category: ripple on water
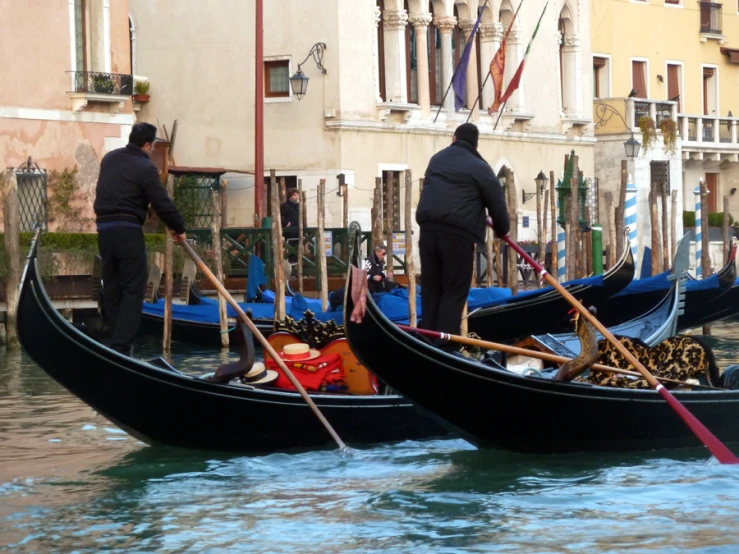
69,480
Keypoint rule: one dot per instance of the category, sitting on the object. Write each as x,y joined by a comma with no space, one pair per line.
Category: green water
71,481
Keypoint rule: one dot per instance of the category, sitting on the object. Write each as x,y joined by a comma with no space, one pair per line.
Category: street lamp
632,147
541,180
299,81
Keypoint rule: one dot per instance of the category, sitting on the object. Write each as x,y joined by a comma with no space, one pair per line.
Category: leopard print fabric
680,358
311,331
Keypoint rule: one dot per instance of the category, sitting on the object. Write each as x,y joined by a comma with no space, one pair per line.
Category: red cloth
359,294
314,375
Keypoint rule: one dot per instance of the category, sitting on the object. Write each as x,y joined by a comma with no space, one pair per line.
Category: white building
374,110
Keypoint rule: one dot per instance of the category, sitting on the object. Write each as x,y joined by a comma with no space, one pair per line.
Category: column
630,221
445,25
420,24
472,85
378,62
698,234
490,37
572,74
395,76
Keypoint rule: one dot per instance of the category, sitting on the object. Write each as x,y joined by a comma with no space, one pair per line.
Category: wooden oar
534,354
266,345
714,445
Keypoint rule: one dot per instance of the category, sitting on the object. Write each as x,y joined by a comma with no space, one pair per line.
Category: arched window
569,63
381,51
457,41
435,87
411,61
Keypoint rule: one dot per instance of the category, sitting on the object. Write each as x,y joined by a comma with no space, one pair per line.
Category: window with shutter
638,78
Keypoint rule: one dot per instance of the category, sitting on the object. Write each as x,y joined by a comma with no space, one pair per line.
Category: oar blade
719,450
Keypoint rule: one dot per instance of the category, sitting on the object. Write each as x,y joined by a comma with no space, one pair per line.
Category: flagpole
445,94
451,82
478,95
500,112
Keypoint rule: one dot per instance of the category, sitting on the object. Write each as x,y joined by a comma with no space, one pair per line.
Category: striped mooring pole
630,220
698,237
561,255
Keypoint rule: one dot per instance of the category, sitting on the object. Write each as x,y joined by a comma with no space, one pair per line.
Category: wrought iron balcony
710,18
94,82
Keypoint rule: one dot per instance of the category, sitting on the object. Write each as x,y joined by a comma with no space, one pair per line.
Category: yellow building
669,60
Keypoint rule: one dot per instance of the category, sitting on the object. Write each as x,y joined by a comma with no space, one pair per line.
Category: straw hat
260,375
298,352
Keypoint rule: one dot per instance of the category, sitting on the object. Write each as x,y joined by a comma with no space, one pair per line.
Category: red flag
497,66
516,80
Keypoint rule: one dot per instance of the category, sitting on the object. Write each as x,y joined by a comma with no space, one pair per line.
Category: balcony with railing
631,110
709,137
94,86
711,24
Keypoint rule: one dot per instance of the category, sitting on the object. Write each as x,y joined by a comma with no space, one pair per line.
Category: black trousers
446,273
124,280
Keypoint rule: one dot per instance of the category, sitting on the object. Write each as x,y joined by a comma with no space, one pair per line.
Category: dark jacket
290,213
458,187
375,267
127,184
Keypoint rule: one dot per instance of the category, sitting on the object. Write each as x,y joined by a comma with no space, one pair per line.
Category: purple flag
459,81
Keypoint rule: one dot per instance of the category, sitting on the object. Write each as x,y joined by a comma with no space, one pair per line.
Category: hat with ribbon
298,352
259,375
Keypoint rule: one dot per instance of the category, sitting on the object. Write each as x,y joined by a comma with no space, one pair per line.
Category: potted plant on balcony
103,84
648,131
141,91
668,127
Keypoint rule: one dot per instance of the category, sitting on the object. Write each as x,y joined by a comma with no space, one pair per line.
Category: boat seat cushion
680,358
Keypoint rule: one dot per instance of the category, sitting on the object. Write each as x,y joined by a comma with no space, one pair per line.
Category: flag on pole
497,66
516,80
459,81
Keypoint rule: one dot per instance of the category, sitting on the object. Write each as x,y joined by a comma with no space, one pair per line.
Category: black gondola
159,405
546,312
704,299
493,407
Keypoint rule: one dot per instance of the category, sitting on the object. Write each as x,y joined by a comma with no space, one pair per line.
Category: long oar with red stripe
714,445
260,337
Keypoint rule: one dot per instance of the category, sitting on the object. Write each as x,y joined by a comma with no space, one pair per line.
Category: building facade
675,63
66,94
380,106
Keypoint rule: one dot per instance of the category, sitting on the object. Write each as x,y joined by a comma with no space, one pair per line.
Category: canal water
70,481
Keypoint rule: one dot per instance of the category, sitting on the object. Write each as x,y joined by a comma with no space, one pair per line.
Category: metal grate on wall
32,196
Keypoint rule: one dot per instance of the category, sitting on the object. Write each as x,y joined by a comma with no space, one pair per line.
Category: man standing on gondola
458,188
127,184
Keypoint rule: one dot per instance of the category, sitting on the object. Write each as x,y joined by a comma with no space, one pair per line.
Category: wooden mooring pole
410,267
553,207
11,222
215,241
705,257
278,254
168,279
389,224
301,243
321,245
512,201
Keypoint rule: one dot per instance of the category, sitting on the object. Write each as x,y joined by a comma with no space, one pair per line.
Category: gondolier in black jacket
127,184
458,188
